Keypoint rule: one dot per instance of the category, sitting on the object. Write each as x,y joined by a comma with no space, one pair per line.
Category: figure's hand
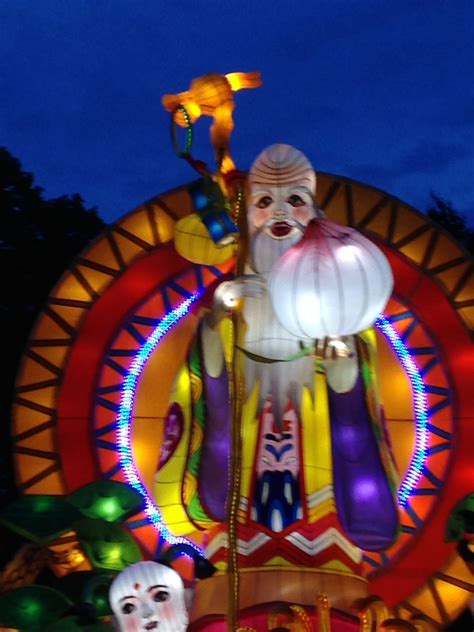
229,293
340,361
335,347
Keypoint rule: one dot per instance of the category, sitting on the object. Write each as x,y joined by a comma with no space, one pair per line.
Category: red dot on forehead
136,586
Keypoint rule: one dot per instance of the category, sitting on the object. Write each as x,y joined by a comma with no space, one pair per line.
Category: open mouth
152,625
281,229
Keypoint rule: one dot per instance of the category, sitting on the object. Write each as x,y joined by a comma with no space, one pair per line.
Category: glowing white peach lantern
333,282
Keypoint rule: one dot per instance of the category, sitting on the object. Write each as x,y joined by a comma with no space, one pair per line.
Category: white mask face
280,210
149,596
280,203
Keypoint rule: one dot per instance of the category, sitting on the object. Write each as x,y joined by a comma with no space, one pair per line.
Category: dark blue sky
377,90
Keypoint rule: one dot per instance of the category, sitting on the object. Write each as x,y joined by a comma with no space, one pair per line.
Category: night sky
377,90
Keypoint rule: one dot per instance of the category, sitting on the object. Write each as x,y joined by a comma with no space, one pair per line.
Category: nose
280,213
146,611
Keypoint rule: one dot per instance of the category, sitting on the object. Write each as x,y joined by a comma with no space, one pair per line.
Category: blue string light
124,417
135,370
420,406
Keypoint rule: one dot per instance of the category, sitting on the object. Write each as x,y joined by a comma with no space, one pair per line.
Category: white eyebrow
299,187
261,190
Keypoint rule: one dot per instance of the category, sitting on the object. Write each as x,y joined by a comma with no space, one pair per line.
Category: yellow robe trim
168,480
320,511
279,561
374,400
336,565
316,438
249,434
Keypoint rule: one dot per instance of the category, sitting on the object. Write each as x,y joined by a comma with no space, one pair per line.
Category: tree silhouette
38,239
455,223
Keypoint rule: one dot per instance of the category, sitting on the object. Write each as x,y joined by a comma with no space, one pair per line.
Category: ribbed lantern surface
334,282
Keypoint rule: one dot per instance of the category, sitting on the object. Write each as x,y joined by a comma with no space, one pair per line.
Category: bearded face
277,217
282,185
280,211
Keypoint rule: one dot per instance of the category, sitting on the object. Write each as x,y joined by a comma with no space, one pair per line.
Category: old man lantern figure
317,477
218,349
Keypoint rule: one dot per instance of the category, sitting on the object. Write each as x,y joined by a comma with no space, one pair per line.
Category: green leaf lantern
88,587
31,608
107,500
108,546
461,520
96,592
40,518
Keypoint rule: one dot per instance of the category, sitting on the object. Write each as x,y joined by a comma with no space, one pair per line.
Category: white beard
266,337
265,250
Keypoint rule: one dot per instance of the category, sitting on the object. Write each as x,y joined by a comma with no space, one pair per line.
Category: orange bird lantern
211,95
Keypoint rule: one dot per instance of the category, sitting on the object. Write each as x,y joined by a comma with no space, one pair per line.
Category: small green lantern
108,546
111,501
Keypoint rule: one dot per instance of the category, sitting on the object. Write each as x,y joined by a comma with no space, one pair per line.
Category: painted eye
264,201
161,595
128,608
296,200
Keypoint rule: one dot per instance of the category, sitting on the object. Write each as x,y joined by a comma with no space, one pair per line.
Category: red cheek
133,625
166,611
303,214
260,216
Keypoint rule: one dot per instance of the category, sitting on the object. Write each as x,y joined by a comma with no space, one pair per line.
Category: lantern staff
219,201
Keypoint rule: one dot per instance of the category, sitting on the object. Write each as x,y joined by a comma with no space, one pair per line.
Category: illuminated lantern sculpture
170,367
334,282
316,472
148,595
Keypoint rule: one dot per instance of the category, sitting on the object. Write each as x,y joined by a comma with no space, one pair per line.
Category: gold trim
292,586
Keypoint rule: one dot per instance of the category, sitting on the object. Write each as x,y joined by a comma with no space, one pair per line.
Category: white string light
127,400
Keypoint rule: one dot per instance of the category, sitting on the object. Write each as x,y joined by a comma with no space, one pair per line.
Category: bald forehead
142,575
281,165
